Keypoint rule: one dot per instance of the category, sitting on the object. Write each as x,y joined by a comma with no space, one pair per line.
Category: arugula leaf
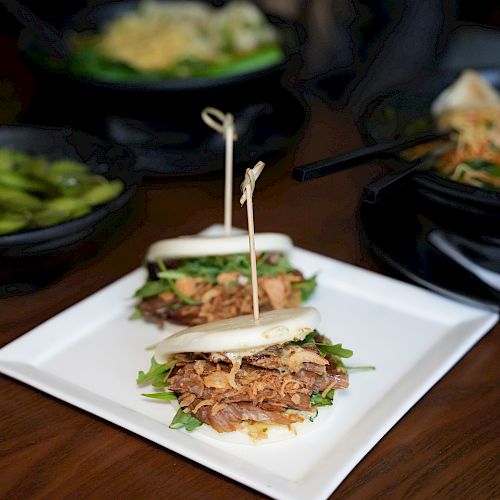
359,368
308,339
211,267
153,288
171,274
161,265
318,400
185,420
136,314
334,350
281,266
306,287
167,396
156,374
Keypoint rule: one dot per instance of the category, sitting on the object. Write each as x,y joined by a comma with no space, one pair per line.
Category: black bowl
163,97
160,120
404,111
35,256
93,18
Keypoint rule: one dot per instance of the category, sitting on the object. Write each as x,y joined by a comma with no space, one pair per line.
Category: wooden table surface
447,446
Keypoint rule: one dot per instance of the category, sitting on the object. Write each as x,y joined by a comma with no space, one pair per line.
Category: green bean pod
12,222
102,193
15,199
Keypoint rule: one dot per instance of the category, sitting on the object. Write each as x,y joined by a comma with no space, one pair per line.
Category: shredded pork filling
261,389
230,296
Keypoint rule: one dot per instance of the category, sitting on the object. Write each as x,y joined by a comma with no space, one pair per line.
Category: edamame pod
69,205
50,216
18,181
102,193
9,159
12,222
15,199
37,193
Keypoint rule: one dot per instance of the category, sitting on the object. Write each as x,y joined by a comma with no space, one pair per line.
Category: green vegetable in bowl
35,192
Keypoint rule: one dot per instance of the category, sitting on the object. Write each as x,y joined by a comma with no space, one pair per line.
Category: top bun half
204,246
242,334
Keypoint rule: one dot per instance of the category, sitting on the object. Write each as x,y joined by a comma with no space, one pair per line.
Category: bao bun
241,335
203,246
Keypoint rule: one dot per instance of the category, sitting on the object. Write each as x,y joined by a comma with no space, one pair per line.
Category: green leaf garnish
166,396
157,374
185,420
359,368
306,287
153,288
171,274
318,400
212,266
161,265
335,350
136,314
308,339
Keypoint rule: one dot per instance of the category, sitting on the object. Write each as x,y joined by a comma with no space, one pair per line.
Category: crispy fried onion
186,399
289,381
217,407
297,359
328,389
205,402
232,374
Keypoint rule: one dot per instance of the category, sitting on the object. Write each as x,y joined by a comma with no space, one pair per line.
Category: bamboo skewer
224,124
248,187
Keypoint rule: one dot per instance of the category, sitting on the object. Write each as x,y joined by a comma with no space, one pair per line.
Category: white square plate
89,356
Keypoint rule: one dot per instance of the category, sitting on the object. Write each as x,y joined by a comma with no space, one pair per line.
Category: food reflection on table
162,40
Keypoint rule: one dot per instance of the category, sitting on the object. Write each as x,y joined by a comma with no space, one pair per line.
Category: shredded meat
230,417
264,385
225,299
289,357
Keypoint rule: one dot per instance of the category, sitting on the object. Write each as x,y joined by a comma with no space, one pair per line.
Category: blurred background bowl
175,103
160,120
31,257
405,111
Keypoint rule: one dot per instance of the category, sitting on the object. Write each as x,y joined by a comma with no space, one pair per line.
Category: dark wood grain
447,446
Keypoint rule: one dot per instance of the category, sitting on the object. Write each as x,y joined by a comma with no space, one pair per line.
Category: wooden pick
224,124
247,187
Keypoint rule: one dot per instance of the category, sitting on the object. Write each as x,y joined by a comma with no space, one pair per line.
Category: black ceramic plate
405,111
399,237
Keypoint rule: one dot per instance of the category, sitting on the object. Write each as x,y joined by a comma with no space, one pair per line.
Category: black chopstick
353,158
